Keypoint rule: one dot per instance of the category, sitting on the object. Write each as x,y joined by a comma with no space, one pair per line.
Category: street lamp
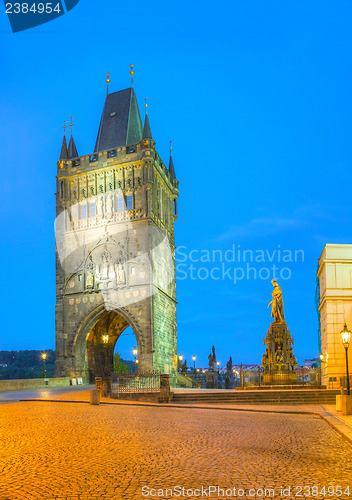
194,363
180,358
135,353
218,363
105,339
346,337
44,355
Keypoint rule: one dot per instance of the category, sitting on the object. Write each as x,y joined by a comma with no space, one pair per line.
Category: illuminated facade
335,306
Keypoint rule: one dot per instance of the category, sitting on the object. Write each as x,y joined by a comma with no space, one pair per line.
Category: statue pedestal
278,361
212,380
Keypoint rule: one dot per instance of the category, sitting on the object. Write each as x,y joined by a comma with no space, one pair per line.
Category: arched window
62,189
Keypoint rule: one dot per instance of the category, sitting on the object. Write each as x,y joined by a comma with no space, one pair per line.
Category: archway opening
101,343
125,360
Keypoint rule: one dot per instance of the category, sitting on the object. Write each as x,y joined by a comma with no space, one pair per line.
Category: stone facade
335,307
115,253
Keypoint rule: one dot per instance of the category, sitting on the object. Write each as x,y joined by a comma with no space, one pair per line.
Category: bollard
94,397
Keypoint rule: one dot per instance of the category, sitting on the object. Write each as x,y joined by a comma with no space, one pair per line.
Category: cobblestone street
77,451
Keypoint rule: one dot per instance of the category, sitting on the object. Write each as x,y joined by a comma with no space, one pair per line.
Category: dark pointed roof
72,150
147,133
64,152
171,169
120,123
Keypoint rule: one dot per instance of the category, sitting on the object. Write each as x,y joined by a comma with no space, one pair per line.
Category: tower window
133,271
92,210
83,211
62,189
93,158
80,277
120,204
112,114
112,153
130,149
129,202
76,163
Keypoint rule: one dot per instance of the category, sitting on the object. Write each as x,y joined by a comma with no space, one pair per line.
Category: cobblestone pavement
72,451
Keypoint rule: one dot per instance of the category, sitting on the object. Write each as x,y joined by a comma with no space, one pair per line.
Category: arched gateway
91,355
115,253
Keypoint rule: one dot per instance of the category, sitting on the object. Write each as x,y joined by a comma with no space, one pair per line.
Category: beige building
335,306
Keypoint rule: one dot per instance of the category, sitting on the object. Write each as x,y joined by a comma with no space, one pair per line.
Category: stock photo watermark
236,264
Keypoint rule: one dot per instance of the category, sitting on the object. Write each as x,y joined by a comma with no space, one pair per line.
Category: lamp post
135,353
44,355
218,363
346,337
106,382
194,363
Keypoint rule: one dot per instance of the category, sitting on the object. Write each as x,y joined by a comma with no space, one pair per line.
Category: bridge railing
141,382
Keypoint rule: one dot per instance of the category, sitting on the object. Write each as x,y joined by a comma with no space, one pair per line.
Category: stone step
259,397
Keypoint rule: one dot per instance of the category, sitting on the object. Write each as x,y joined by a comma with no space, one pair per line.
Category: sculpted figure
277,304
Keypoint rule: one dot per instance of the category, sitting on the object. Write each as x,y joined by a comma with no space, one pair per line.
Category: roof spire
171,164
147,133
72,150
64,153
107,83
131,73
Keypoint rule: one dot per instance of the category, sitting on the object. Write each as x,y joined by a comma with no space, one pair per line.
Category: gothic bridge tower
115,253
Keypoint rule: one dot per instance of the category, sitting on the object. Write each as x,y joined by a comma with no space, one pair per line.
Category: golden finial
65,126
146,105
107,82
71,124
170,147
132,73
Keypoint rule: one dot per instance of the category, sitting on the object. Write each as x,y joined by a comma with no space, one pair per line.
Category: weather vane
170,147
132,73
146,105
71,124
107,82
65,126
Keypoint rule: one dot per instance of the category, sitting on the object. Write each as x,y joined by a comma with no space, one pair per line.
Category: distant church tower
115,253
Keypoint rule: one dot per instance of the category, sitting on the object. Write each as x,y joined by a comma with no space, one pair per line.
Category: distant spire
107,83
171,164
72,150
132,73
147,133
64,152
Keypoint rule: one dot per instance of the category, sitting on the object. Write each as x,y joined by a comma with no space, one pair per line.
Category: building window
130,149
92,210
80,277
129,202
112,153
93,158
133,271
120,204
83,211
62,189
175,207
76,163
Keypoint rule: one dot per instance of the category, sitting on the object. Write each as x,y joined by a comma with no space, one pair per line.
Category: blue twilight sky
256,95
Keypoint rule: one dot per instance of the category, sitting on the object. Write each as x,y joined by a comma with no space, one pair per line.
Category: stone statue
212,360
109,206
277,304
99,207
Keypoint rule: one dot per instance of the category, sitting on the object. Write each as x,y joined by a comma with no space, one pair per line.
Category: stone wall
35,383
